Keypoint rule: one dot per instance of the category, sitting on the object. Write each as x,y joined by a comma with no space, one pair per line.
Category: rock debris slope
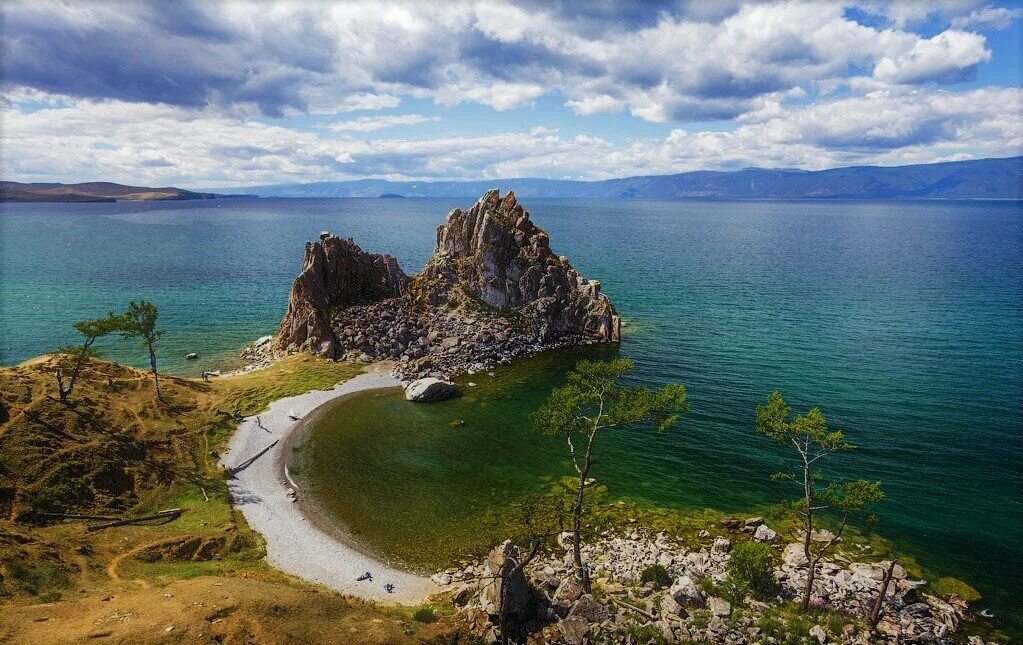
492,290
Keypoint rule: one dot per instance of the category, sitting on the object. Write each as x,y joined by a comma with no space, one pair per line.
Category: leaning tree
813,441
72,358
591,401
139,321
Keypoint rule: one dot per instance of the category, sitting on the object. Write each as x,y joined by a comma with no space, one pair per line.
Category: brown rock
495,254
336,273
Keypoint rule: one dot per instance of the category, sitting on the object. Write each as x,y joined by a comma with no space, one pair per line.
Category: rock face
502,581
336,274
428,390
493,290
493,253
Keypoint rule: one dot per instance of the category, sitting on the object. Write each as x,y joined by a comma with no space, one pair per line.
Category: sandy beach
261,489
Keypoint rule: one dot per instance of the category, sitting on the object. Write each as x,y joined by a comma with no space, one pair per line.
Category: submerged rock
429,390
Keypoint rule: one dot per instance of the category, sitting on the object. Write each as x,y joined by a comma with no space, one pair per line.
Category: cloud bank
212,94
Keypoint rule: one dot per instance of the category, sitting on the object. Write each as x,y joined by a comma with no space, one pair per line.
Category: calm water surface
903,321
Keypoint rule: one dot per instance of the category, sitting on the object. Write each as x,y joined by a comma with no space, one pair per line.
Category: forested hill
978,179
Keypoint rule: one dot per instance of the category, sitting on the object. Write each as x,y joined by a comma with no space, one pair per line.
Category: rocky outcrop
689,609
336,274
495,255
493,290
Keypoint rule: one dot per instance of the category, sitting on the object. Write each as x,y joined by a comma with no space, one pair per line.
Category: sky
207,95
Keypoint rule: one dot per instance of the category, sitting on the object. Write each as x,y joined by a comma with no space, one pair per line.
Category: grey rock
429,390
591,610
719,607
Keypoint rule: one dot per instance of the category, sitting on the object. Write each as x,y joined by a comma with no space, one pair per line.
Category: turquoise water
902,320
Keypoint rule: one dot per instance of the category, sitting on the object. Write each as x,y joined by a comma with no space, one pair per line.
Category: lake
903,321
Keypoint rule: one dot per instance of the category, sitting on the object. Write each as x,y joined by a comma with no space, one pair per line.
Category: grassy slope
115,450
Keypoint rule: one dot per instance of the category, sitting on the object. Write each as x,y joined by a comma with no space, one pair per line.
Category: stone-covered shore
547,605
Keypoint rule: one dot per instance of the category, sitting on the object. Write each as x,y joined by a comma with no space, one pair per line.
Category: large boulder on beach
429,390
502,580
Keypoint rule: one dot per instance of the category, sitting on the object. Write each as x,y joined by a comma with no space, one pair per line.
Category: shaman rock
495,255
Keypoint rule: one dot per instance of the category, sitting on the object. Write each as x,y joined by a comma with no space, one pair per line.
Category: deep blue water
903,321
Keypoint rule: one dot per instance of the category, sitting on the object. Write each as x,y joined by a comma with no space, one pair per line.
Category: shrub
657,574
424,615
946,587
751,570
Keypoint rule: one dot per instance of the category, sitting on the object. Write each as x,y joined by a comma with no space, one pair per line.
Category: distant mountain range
98,191
978,179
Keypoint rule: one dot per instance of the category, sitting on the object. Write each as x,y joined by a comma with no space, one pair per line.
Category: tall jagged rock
336,274
494,253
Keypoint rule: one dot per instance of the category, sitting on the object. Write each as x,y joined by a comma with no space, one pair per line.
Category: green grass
42,579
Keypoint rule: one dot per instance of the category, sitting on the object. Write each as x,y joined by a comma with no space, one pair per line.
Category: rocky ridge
492,290
688,608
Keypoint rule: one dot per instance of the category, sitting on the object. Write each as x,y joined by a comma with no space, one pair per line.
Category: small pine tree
591,401
814,441
139,321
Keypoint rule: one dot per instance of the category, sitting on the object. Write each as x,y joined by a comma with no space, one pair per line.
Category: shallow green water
408,485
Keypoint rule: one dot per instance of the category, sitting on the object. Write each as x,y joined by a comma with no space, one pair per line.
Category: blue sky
202,94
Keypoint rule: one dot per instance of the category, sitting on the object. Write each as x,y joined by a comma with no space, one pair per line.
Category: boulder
765,534
719,607
670,608
793,556
573,630
429,390
499,579
721,545
686,593
589,609
567,592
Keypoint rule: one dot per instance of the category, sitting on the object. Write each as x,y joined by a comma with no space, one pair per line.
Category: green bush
946,587
751,570
424,615
657,574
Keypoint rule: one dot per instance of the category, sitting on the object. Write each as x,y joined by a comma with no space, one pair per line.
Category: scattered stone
441,579
719,607
765,534
818,632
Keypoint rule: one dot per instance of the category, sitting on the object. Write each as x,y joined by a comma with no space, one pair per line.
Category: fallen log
634,608
170,515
